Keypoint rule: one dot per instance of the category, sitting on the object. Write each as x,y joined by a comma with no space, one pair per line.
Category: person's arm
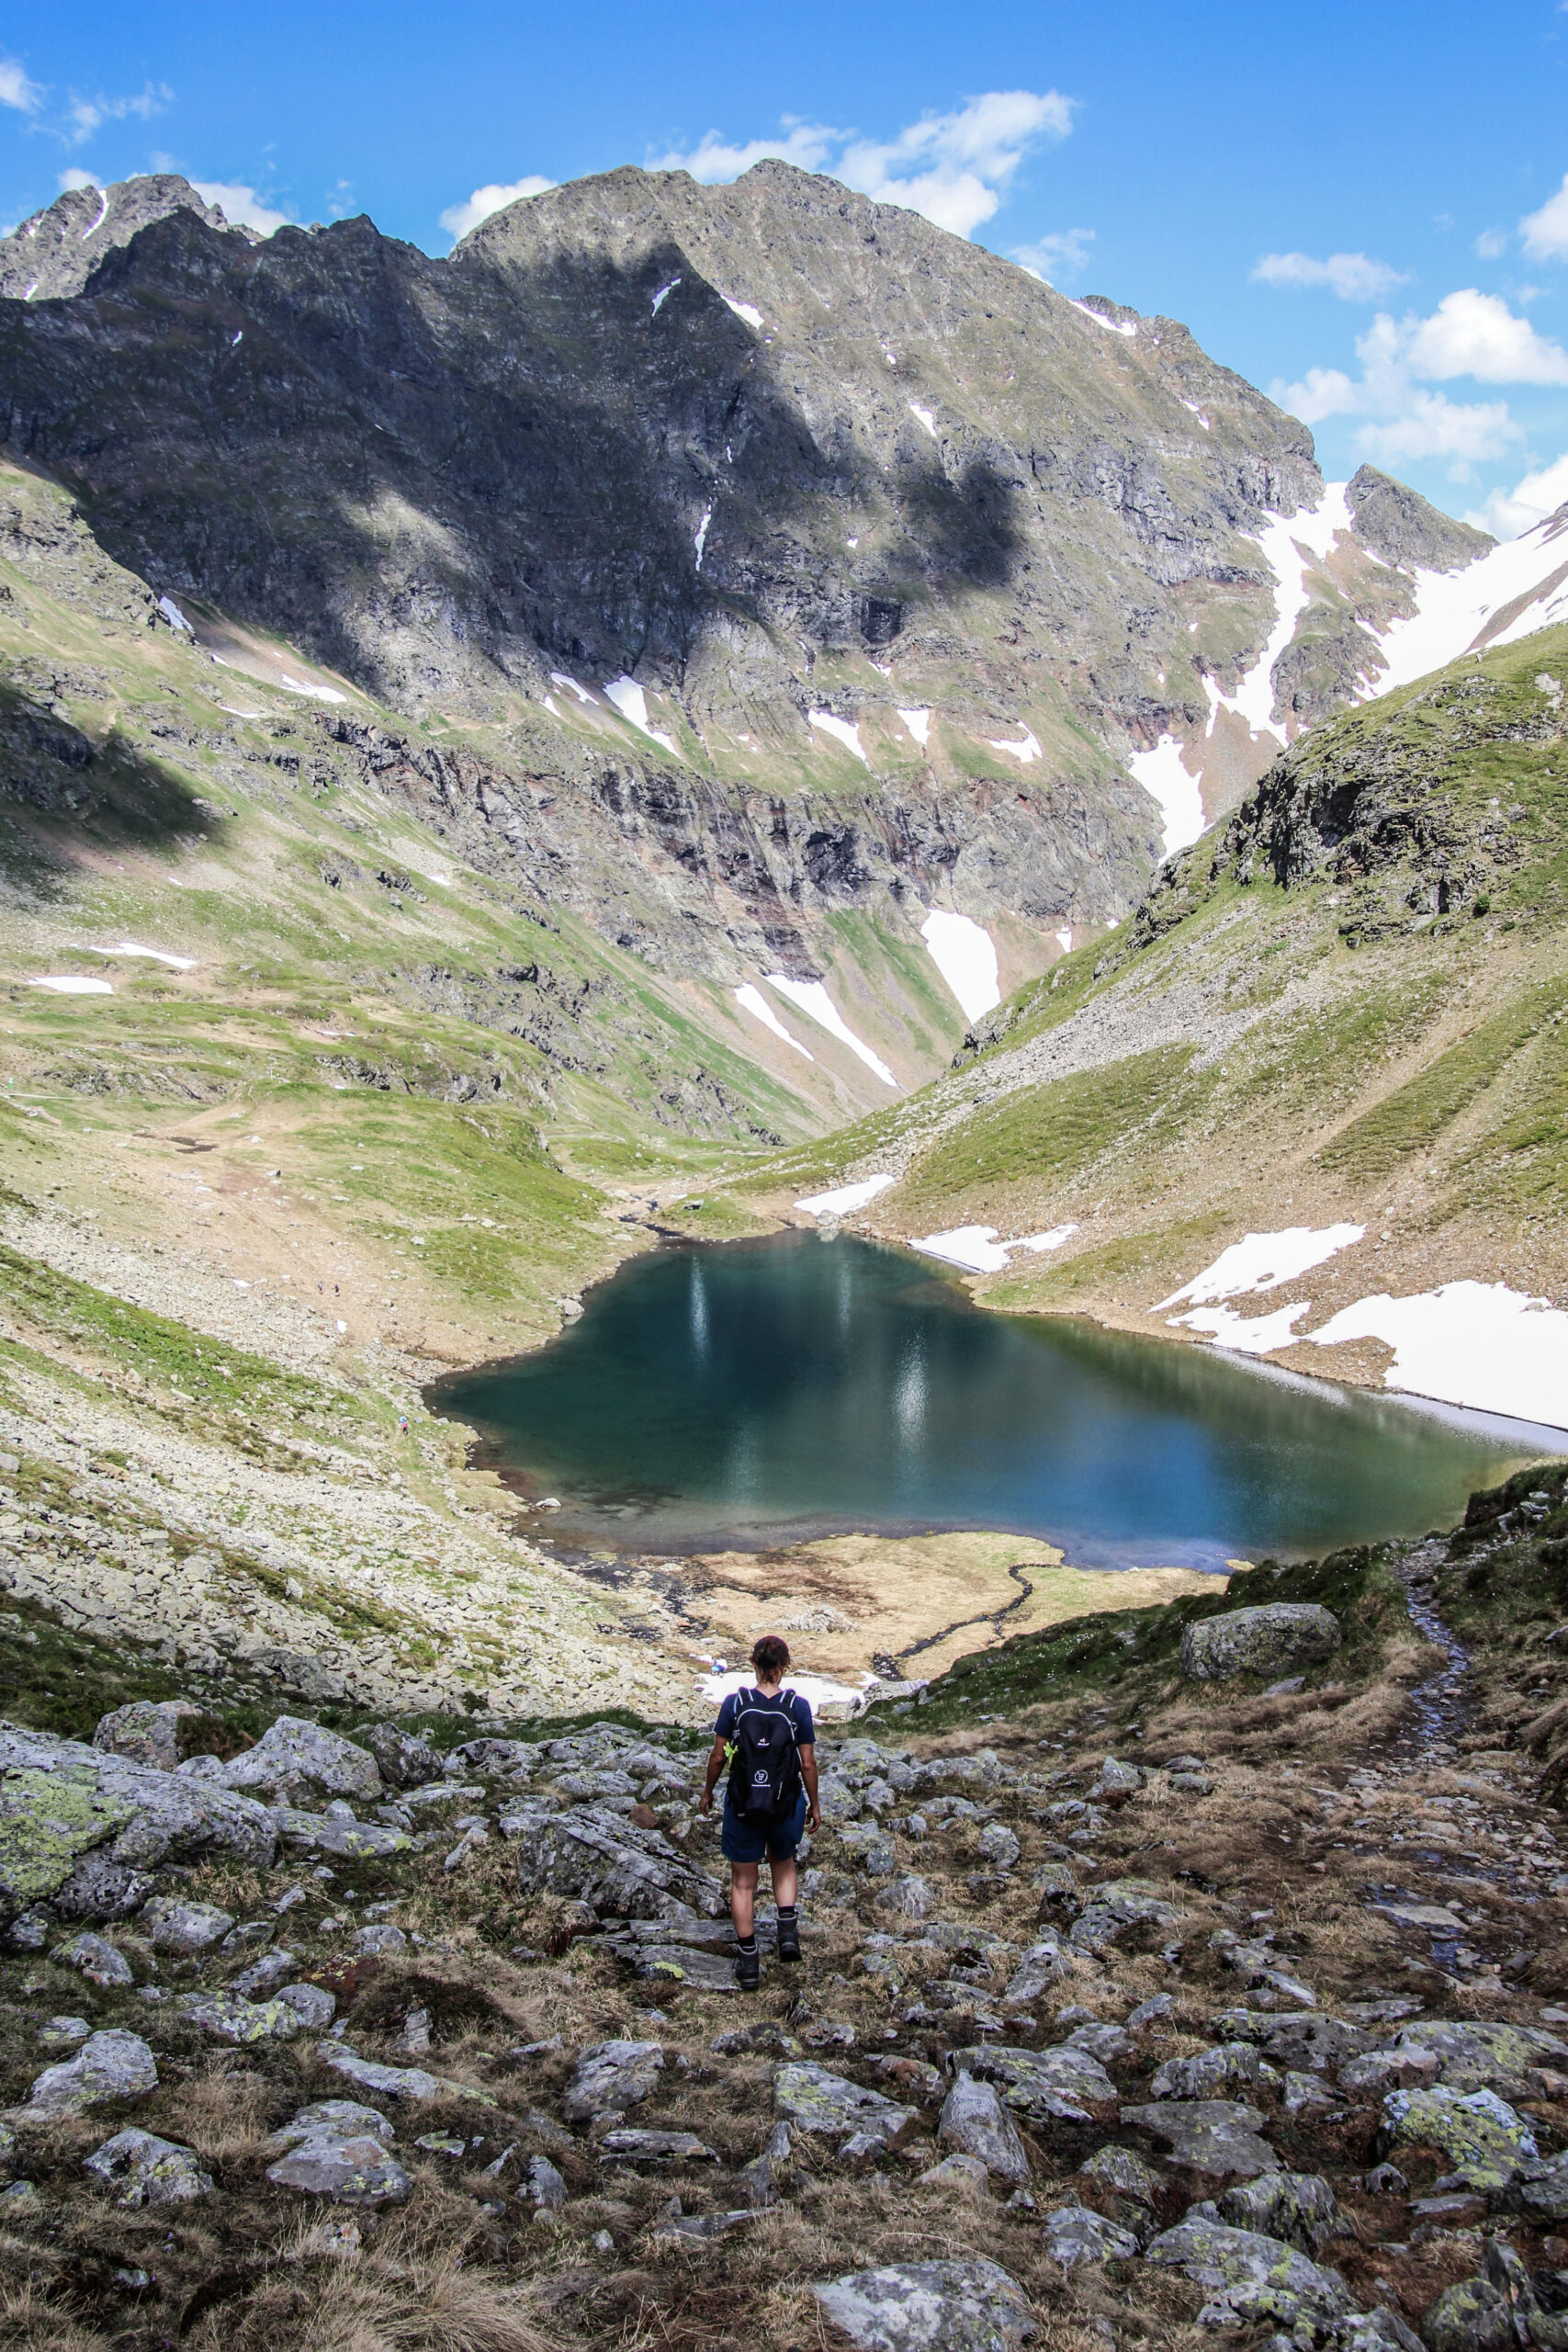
808,1774
716,1756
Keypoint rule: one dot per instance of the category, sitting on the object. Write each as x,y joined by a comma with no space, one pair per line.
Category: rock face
52,254
1279,1638
929,2307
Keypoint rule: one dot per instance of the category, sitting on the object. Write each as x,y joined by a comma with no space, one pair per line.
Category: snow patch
1470,1343
924,416
1112,326
317,693
73,984
1065,937
976,1248
1262,1261
752,1000
846,1199
919,722
966,956
1178,795
1196,411
747,311
1025,752
553,706
174,616
843,732
701,534
156,955
31,290
234,713
1453,609
815,1688
632,703
559,678
1257,1335
814,1000
98,222
664,295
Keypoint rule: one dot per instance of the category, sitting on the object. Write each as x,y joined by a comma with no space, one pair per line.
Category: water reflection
801,1384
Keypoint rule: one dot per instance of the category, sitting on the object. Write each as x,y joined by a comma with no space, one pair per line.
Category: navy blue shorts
744,1844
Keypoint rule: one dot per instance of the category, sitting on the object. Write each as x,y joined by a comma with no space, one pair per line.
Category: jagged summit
54,253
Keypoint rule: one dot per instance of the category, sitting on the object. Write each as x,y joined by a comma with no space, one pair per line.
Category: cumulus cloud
459,218
84,115
74,176
1470,334
1492,244
241,205
953,168
1545,233
1057,258
15,90
1540,493
1355,277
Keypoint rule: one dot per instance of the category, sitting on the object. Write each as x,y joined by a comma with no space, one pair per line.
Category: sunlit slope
1344,1008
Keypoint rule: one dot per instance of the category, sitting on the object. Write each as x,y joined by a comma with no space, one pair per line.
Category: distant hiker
765,1736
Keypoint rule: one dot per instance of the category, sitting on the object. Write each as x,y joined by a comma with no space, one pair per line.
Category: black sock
746,1943
786,1910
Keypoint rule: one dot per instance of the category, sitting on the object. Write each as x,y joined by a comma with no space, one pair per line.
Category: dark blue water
766,1391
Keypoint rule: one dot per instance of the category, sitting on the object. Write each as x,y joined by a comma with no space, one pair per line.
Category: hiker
765,1736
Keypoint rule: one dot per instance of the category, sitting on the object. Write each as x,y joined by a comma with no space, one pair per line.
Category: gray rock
1063,2086
405,1762
1210,2135
62,2033
626,2144
147,1731
7,2152
1043,1964
547,2188
352,1841
1211,2073
1252,2278
1125,2173
109,2065
1486,2143
1152,2011
173,1925
1075,2234
999,1846
314,2008
1275,1639
763,2181
380,1939
906,1897
20,2202
1471,2316
149,2171
610,2076
702,2225
391,2082
296,1757
1116,1779
707,1971
228,2016
929,2307
349,2167
975,2122
1106,2042
601,1859
263,1975
1308,2041
342,2115
29,1931
101,1888
94,1958
1299,2207
956,2171
1481,2056
829,2105
1112,1912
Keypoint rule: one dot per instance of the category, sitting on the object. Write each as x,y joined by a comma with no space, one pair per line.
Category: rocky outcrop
54,253
1281,1637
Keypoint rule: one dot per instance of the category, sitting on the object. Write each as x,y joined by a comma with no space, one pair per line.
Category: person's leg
785,1880
743,1897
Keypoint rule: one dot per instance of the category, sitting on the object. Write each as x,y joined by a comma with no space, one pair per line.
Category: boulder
610,2076
228,2016
351,1841
343,2115
1481,2056
62,2033
975,2122
1279,1639
391,2082
1112,1912
263,1975
94,1958
999,1846
629,2144
63,1805
296,1757
171,1925
970,2306
600,1858
1540,2191
314,2008
1308,2041
100,1888
1063,2086
1252,2281
147,1731
337,2149
816,2100
1075,2234
1208,2135
1125,2173
109,2065
403,1760
149,2171
1299,2207
1212,2074
1044,1963
1485,2143
906,1897
545,2190
1473,2315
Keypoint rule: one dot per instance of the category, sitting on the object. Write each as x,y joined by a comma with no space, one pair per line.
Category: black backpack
764,1773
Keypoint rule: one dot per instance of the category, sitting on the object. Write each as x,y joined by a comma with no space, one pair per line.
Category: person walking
765,1736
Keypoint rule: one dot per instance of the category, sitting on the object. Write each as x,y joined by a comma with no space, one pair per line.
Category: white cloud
15,90
242,205
1064,255
74,176
1540,493
1355,277
1435,426
1545,233
85,115
953,168
459,218
1491,243
1476,335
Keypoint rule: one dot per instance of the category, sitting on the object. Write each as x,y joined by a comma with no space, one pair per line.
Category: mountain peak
52,255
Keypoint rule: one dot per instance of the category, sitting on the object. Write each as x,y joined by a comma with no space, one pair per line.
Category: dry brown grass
31,2324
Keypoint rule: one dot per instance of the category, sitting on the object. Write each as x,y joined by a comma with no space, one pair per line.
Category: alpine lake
762,1393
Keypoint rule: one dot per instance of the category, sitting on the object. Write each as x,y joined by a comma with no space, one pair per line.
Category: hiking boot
747,1971
789,1940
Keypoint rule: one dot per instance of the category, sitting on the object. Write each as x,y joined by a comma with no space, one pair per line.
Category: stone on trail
610,2076
928,2307
297,1756
149,2171
1486,2143
600,1858
1075,2234
174,1925
109,2065
1275,1639
975,2122
1252,2278
1062,2085
1210,2135
147,1731
97,1958
817,2100
1299,2207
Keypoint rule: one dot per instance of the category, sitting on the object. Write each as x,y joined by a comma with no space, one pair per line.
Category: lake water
767,1391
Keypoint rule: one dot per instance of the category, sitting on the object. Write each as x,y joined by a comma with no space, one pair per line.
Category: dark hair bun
770,1655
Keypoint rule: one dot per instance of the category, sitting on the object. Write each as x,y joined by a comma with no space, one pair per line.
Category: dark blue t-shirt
800,1709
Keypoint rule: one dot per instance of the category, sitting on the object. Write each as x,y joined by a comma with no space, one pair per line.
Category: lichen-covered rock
312,2004
403,1760
1208,2135
1125,2173
1299,2207
1252,2279
295,1756
601,1859
632,2144
928,2307
1113,1911
1308,2040
975,2122
100,1888
610,2076
147,1731
350,1841
62,2033
337,2149
228,2016
906,1897
1000,1845
1479,2055
94,1958
149,2171
1485,2142
173,1925
1212,2074
1470,2316
1044,1963
1279,1639
346,2115
109,2065
1075,2234
817,2100
1063,2086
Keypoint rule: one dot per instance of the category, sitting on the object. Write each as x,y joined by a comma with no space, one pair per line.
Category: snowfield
966,956
813,999
1468,1343
846,1199
976,1248
1262,1261
751,999
842,731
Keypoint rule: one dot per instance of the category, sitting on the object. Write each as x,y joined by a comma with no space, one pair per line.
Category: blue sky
1364,209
